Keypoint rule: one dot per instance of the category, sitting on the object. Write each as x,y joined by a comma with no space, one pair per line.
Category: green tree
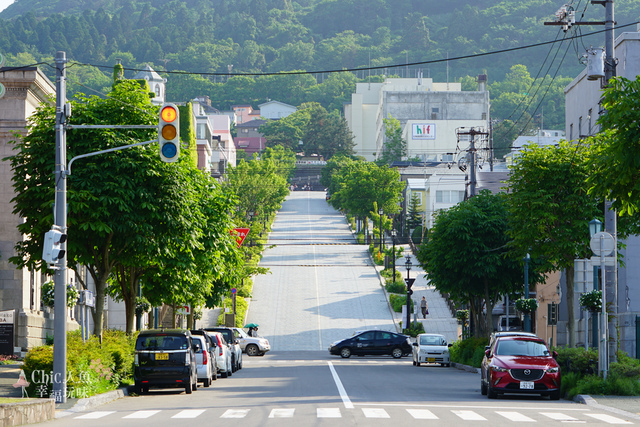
465,255
550,210
395,147
414,219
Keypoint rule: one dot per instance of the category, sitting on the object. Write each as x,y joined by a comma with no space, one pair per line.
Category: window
589,122
449,196
580,127
570,131
201,131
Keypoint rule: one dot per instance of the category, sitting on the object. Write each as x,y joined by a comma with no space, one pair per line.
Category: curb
585,399
467,368
87,403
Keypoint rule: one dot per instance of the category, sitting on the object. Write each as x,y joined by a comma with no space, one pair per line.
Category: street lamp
380,212
409,283
527,319
393,240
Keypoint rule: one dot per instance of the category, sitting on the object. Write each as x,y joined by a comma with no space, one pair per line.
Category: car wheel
234,366
187,388
345,352
417,363
491,394
414,362
206,382
555,395
137,389
252,350
483,388
214,377
224,374
145,390
396,353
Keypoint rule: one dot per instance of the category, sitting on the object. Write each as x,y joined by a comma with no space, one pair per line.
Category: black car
373,343
165,358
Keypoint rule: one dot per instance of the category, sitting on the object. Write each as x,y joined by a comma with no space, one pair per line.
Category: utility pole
473,181
59,379
565,17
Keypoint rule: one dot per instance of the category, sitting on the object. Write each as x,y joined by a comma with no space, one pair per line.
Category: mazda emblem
527,372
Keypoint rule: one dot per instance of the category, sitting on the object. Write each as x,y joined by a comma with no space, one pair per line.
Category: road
322,288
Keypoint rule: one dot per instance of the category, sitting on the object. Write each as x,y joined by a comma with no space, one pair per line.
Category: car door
364,343
385,341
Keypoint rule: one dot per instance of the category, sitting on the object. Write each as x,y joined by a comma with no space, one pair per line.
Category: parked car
373,343
224,354
204,362
431,348
234,346
253,346
165,358
520,364
213,350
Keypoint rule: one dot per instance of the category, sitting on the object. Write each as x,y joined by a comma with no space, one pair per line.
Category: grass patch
13,400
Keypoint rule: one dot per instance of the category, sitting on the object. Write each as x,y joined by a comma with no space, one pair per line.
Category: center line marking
341,390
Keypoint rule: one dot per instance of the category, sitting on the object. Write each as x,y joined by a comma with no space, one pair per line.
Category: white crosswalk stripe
141,414
558,416
375,413
608,419
469,416
422,414
282,413
516,416
189,413
95,415
329,413
235,413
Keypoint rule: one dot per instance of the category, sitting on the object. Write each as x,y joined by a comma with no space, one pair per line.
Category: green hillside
205,37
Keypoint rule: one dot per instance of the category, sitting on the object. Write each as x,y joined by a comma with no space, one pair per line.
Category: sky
4,4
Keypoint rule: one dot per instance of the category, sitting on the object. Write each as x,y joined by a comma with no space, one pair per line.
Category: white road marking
558,416
516,416
375,413
341,390
608,419
141,414
469,416
95,415
282,413
235,413
422,414
189,413
329,413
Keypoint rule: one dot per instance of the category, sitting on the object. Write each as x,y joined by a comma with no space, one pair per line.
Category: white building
156,84
542,138
275,110
216,149
429,114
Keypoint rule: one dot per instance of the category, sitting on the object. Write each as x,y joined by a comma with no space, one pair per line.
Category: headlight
498,368
445,352
553,370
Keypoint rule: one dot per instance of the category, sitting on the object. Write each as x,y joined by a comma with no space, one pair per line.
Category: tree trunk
98,313
571,317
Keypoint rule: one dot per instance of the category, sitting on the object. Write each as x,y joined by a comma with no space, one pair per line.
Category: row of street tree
475,250
134,220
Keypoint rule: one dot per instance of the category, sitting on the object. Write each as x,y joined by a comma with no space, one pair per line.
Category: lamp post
602,244
393,257
380,212
527,319
409,283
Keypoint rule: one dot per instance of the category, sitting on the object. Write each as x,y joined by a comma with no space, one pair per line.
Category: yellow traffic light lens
168,114
169,131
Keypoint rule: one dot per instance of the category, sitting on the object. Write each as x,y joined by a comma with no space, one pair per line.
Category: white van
515,323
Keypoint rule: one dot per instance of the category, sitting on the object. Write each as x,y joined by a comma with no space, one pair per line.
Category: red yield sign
240,234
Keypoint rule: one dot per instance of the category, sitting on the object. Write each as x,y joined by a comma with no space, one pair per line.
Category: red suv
520,364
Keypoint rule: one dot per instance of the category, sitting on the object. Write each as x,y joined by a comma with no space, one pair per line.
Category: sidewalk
439,320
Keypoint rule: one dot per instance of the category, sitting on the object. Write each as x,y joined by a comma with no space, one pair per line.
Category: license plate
431,359
162,356
526,385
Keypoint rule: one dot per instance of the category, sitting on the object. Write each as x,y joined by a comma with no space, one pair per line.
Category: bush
241,310
415,329
92,368
397,301
469,352
577,360
625,367
395,288
360,238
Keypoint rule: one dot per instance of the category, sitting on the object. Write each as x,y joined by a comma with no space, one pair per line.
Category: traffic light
52,250
169,133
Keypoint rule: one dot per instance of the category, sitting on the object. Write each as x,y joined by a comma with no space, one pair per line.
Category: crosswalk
467,415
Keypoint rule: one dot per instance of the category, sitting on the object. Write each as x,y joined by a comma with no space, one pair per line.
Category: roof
251,123
148,74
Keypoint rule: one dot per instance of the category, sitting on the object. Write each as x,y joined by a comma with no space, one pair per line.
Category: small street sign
185,310
409,282
240,234
234,290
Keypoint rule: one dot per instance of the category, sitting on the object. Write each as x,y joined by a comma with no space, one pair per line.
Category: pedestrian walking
424,308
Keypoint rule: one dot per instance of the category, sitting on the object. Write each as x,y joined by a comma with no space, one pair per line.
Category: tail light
187,359
135,360
220,353
204,356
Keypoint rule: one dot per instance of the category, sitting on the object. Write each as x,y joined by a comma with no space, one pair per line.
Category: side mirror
487,353
554,354
486,347
415,344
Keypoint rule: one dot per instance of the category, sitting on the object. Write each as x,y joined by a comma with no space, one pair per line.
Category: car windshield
521,348
162,342
431,341
241,333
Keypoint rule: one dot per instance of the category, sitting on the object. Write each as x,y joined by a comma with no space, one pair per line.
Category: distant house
244,113
249,138
156,83
275,110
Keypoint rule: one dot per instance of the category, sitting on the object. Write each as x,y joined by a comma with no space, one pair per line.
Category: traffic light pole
59,377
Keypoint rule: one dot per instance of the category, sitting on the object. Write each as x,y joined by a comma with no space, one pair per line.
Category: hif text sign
423,131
